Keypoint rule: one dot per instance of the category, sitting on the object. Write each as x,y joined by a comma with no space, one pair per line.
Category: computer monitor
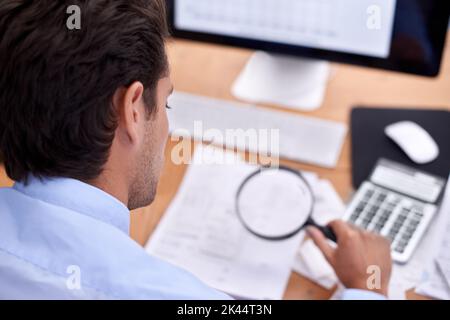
400,35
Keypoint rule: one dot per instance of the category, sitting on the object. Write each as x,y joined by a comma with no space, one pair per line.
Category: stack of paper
200,232
414,273
435,282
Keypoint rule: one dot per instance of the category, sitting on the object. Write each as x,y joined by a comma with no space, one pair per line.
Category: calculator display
407,181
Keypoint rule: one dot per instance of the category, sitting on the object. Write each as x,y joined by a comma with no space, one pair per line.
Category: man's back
63,239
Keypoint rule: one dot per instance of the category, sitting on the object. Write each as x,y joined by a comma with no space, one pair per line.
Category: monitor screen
401,35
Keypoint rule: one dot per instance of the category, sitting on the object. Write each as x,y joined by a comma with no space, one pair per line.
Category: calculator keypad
394,216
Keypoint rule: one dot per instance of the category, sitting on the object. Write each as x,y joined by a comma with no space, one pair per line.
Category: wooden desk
210,70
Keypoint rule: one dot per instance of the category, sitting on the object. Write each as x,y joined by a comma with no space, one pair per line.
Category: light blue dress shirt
64,239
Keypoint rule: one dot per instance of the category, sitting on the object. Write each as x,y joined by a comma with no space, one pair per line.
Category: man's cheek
165,130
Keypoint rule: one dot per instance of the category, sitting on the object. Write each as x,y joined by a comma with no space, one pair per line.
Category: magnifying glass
276,204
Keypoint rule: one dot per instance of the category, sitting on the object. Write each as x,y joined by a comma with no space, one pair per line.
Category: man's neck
114,185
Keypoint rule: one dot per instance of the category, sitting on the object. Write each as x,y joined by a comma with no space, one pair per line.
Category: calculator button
391,236
397,226
401,246
410,229
406,236
370,216
385,215
378,227
365,223
418,215
381,197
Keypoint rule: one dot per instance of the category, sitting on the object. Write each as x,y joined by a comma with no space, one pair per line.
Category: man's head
87,104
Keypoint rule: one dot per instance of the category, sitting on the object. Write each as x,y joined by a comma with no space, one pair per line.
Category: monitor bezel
437,29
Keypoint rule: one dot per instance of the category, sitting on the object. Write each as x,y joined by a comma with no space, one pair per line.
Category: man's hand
356,252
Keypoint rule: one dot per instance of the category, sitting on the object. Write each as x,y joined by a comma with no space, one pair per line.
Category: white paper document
309,261
201,233
418,270
435,281
443,259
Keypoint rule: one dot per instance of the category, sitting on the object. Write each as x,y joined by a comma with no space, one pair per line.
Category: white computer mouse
417,143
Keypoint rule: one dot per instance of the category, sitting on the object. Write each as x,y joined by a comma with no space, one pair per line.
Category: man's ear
130,102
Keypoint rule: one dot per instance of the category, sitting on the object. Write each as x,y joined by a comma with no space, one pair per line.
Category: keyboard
396,211
247,127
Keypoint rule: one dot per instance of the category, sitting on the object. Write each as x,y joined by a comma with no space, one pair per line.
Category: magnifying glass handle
328,232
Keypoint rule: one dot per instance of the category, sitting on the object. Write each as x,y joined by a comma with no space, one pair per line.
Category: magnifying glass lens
275,203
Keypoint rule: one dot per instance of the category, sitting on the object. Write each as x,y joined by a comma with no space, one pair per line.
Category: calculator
399,203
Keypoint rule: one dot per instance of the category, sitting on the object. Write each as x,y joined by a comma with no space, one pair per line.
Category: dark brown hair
56,84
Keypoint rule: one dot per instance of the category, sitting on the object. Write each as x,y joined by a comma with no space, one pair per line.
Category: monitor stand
295,83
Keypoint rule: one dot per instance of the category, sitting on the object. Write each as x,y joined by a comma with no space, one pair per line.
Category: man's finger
322,243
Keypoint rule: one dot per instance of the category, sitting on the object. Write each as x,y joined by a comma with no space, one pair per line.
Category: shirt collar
80,197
